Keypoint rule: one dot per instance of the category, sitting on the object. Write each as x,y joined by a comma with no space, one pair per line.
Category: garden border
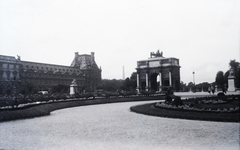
150,109
43,109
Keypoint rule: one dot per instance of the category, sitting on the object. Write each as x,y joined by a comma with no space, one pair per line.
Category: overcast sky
203,34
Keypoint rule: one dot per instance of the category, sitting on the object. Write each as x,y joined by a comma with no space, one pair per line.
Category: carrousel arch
158,73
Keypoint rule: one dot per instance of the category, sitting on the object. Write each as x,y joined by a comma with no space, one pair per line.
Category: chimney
76,54
92,57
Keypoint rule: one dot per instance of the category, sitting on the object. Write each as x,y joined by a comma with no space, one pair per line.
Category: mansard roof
8,59
26,65
80,63
84,61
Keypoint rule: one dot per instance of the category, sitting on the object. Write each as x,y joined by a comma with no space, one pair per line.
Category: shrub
192,105
220,94
168,99
147,93
177,101
89,95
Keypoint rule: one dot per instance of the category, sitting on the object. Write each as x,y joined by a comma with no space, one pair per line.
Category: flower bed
208,108
209,104
188,107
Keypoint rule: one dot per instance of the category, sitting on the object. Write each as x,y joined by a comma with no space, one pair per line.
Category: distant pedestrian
212,89
209,90
224,90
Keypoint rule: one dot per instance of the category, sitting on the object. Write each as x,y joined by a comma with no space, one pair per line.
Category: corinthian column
146,81
160,82
138,83
170,79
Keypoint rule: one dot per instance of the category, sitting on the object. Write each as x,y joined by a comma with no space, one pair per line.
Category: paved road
114,127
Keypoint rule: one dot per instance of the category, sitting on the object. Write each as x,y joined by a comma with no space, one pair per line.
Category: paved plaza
114,127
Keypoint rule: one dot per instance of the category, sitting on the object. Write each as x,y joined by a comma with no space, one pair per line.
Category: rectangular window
10,66
5,65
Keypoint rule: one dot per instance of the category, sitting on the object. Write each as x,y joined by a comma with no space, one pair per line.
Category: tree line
130,83
221,79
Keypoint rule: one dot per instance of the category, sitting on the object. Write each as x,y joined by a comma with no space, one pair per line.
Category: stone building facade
91,72
10,81
17,75
158,73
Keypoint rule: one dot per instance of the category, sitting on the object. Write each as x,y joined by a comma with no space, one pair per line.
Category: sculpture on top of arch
157,54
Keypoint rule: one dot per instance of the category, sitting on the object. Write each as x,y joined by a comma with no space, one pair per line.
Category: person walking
209,90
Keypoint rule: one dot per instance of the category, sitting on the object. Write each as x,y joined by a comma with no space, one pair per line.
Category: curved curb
150,109
46,108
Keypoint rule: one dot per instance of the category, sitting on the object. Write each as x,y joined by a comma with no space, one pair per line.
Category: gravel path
114,127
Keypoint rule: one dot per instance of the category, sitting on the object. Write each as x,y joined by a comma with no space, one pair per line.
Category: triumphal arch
158,73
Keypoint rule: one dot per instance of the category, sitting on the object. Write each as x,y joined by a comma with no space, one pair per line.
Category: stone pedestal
138,91
231,84
73,87
72,90
231,87
146,89
160,89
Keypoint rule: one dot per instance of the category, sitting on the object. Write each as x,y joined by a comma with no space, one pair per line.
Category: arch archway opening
166,83
154,80
177,87
143,86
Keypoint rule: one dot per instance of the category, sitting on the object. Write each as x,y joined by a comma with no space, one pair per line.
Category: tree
130,84
133,76
133,80
220,81
192,87
127,84
183,87
111,85
203,86
60,88
226,78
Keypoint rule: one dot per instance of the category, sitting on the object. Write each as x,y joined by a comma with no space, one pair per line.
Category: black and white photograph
119,74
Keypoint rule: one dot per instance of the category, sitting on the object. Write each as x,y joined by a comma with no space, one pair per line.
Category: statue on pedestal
73,87
18,57
231,83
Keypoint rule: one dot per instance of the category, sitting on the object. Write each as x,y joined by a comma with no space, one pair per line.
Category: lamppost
193,77
193,89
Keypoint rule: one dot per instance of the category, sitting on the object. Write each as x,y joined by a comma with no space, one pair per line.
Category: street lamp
193,77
